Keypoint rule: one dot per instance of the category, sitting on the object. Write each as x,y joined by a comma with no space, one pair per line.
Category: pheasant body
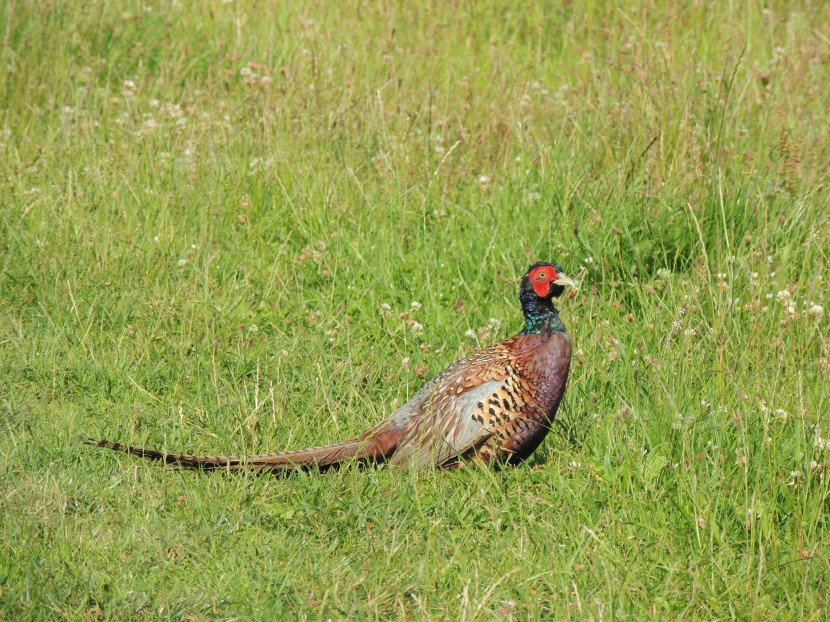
496,405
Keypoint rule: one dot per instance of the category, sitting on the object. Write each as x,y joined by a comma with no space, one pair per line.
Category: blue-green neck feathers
540,314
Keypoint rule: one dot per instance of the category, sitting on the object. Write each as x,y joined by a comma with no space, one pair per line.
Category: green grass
203,209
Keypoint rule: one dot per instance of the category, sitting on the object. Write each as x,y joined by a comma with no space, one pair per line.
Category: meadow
241,227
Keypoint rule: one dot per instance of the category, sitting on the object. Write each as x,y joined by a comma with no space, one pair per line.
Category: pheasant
494,406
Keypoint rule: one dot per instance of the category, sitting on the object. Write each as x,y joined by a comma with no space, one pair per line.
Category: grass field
218,221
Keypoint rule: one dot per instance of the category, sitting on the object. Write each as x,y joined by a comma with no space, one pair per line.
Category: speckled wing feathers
459,412
445,427
494,405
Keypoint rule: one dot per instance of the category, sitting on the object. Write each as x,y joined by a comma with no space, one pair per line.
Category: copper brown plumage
495,405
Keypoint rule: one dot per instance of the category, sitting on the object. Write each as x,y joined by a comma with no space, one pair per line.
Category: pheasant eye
542,276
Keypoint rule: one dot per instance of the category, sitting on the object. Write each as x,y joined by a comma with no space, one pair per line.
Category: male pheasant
495,405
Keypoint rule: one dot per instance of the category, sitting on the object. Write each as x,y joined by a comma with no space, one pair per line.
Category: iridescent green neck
540,315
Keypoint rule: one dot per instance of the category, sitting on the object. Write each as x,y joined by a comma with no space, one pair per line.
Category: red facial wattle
541,278
542,288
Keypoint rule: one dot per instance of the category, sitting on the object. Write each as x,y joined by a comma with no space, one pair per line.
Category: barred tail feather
325,456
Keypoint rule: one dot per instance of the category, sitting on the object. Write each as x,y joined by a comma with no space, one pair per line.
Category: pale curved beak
563,279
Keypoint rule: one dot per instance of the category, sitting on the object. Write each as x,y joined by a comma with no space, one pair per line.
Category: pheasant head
540,285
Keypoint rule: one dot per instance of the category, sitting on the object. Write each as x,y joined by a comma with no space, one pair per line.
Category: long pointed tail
326,456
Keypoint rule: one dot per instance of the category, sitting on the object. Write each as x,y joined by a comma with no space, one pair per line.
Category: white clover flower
815,310
471,334
415,305
182,262
417,328
174,110
782,296
151,125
